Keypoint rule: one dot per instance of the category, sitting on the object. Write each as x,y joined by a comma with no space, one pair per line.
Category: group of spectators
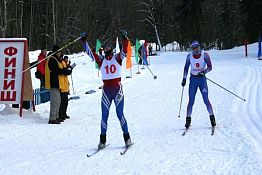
53,69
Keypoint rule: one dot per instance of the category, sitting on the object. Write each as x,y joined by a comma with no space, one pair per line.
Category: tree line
215,23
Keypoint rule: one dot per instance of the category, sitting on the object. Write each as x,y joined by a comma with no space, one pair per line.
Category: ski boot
127,139
188,122
213,120
102,143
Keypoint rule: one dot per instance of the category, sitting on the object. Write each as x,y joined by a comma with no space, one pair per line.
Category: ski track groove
249,112
252,118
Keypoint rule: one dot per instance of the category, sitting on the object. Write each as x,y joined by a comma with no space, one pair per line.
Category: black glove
201,74
83,36
123,33
183,82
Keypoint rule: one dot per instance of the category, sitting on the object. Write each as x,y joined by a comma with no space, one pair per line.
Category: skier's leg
204,92
105,105
192,93
119,103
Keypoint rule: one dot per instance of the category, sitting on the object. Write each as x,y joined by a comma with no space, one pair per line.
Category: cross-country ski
185,131
95,152
126,149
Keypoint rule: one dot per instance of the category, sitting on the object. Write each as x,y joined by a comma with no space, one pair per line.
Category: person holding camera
64,90
55,81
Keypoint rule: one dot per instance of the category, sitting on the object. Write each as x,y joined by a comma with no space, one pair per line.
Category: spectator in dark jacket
150,50
54,69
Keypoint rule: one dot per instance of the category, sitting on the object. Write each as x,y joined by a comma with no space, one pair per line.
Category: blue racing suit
112,88
199,63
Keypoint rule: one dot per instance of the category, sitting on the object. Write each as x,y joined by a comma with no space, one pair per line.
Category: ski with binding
126,149
184,133
99,149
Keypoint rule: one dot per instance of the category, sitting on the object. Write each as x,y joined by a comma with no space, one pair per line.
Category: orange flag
128,56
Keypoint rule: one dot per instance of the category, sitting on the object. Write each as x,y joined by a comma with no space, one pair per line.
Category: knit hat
43,49
194,44
108,49
55,48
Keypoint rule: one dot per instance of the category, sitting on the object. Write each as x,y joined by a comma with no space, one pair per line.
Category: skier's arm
208,62
187,64
123,52
98,60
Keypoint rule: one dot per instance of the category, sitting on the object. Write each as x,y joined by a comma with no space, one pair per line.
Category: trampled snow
30,146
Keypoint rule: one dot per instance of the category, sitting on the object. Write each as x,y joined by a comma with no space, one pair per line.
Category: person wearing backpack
40,72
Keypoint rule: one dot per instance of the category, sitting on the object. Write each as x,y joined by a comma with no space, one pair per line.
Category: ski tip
126,148
185,131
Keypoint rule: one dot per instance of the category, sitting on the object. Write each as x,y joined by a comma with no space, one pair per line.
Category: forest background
215,23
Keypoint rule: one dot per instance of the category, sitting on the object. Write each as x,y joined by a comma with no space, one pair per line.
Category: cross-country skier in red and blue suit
110,66
200,63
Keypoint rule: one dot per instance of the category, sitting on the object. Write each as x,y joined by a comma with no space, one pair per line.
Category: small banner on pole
128,56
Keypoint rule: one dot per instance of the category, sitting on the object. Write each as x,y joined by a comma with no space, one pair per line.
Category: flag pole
155,77
83,35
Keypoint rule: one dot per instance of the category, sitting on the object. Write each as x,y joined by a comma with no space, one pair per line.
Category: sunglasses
195,47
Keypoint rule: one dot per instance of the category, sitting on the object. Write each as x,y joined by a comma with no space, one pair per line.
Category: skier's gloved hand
201,74
123,34
83,36
183,82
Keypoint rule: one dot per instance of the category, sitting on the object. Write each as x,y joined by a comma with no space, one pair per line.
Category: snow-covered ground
30,146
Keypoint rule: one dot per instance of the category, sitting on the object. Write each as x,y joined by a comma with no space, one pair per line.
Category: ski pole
181,102
82,36
155,77
226,89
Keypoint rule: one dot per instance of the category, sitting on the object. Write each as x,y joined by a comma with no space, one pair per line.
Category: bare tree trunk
4,26
54,21
151,18
158,39
21,18
17,17
30,24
